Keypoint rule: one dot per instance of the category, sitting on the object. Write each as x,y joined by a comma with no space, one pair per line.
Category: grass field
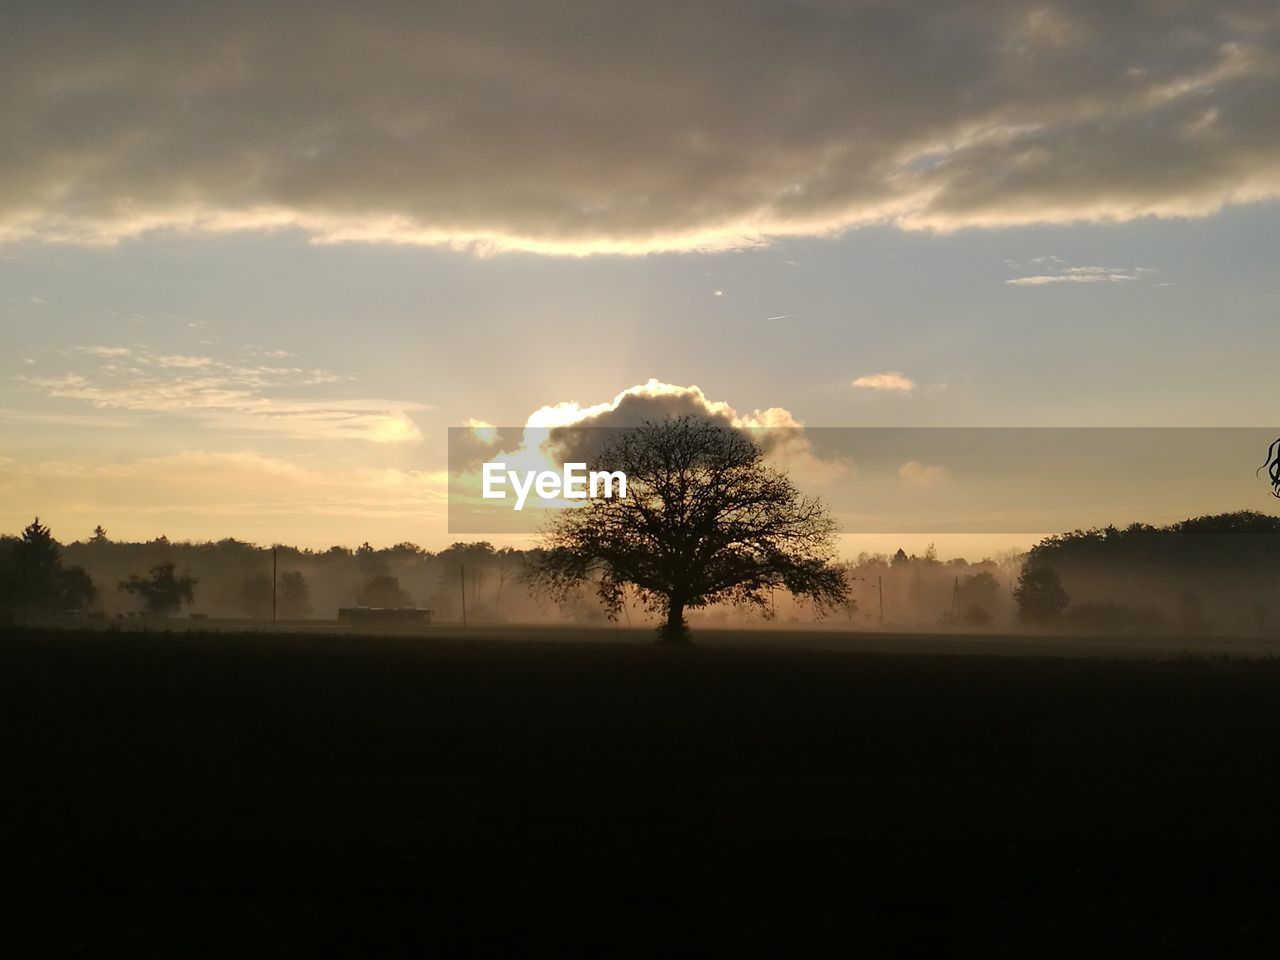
748,784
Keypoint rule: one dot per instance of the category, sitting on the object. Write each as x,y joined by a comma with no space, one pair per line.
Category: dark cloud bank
598,126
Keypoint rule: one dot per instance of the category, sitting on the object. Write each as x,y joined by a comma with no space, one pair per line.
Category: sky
255,262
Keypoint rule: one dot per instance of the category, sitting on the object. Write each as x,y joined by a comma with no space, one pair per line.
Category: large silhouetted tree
705,521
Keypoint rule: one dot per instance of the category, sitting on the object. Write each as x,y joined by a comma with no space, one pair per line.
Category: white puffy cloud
653,400
570,431
610,126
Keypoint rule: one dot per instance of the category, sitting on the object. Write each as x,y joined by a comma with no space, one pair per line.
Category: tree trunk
675,630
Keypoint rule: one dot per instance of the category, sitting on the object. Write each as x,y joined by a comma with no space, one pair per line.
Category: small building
384,616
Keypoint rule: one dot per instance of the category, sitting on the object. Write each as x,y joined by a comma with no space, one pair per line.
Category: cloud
891,381
482,431
230,396
1078,275
595,126
653,400
923,475
96,422
571,432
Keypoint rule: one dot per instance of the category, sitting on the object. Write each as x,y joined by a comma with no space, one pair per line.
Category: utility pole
462,580
274,551
880,591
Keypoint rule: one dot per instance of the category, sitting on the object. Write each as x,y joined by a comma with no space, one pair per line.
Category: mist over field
1214,575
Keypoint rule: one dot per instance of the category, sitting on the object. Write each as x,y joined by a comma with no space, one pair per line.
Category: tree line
1215,573
43,578
1209,574
709,526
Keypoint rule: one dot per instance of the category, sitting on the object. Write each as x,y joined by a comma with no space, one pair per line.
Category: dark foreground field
746,794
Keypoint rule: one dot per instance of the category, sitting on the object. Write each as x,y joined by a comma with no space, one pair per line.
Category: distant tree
99,535
76,590
406,549
849,606
472,559
370,562
1245,539
508,563
849,570
163,592
37,584
705,521
1040,595
294,602
38,552
383,591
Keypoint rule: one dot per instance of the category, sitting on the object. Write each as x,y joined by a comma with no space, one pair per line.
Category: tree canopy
164,592
705,521
1040,595
33,580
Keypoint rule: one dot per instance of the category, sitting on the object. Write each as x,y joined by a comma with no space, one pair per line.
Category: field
752,785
